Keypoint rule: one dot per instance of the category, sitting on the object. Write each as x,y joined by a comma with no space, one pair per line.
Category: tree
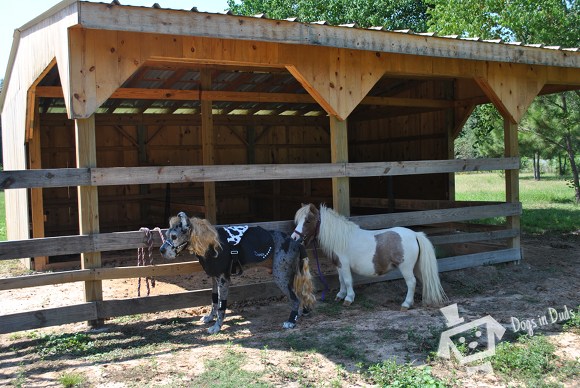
556,120
551,22
551,119
391,14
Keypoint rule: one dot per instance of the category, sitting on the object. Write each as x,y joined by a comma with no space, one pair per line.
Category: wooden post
144,207
450,123
208,147
35,162
88,203
338,154
512,191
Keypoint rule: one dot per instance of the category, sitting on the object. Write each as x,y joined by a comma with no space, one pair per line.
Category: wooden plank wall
119,145
422,136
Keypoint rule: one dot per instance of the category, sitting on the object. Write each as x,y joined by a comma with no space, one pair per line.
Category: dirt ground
173,349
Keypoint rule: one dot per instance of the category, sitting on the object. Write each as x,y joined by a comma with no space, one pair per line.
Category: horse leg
346,291
283,273
406,269
223,285
214,305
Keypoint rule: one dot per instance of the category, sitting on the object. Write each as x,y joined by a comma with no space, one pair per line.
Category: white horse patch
236,233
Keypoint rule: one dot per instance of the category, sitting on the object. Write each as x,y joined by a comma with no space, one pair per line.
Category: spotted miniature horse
228,250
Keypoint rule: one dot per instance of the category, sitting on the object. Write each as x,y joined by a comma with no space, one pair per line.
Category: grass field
548,204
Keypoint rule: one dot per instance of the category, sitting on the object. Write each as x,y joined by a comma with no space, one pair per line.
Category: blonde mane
335,230
203,237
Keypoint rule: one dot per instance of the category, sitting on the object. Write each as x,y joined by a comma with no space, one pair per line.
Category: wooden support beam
338,154
512,87
208,148
36,198
88,203
512,190
338,79
219,95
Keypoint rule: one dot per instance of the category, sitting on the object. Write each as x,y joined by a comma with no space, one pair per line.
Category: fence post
512,190
88,204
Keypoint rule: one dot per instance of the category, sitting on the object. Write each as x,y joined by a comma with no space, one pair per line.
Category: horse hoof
346,303
403,308
288,325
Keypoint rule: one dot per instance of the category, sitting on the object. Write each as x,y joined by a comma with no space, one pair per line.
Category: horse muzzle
299,237
170,251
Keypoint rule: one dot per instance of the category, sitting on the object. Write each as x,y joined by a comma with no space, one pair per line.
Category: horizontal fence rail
64,177
53,246
439,212
150,304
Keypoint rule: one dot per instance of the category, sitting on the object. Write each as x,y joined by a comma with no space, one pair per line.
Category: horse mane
335,230
203,237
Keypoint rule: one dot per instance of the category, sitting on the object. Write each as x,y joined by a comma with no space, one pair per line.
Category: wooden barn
116,117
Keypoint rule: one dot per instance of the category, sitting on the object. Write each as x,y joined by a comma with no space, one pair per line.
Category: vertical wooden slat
512,190
339,154
449,90
36,199
208,147
88,203
144,207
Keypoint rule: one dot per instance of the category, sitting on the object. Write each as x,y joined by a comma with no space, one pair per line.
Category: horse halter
177,248
304,237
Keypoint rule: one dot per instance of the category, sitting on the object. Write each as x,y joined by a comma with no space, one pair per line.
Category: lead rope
141,257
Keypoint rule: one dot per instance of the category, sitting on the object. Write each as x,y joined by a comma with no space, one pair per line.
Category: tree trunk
536,166
561,165
573,167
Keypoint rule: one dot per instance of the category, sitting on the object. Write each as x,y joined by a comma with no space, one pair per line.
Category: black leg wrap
293,317
214,298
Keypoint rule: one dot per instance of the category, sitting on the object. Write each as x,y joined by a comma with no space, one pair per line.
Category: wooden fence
446,212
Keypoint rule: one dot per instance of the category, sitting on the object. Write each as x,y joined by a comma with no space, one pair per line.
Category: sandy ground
546,281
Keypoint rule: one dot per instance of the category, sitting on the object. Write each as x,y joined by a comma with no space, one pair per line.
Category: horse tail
303,285
433,293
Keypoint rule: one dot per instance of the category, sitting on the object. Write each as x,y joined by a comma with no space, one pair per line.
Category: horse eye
173,237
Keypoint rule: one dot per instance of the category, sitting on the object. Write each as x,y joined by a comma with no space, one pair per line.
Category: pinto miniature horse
226,251
371,252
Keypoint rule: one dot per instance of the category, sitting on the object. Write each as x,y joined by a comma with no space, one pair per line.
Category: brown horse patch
389,252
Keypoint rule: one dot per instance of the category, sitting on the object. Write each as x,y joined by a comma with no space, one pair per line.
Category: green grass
548,204
227,371
573,324
72,380
390,374
532,361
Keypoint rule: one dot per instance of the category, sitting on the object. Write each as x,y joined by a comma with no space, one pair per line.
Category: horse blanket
241,245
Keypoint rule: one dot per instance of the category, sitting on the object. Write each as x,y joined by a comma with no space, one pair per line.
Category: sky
14,14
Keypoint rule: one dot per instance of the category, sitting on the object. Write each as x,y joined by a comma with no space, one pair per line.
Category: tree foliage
391,14
550,22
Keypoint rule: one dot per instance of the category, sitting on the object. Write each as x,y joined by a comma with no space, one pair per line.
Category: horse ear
185,222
